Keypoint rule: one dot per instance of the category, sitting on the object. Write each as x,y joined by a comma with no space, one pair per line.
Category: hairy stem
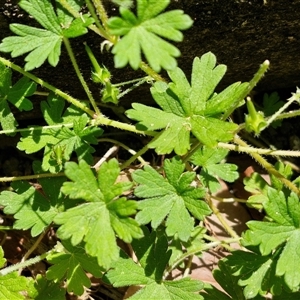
33,247
79,75
269,167
48,86
257,77
249,149
29,177
200,249
24,264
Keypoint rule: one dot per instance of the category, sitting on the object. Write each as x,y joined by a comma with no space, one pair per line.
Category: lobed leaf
190,108
143,31
43,44
153,255
209,159
282,234
30,208
104,211
171,198
43,289
15,94
72,265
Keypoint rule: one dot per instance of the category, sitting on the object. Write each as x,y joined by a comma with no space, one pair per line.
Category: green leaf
78,27
281,233
18,93
212,293
271,104
15,94
189,108
72,265
143,34
124,3
170,198
195,242
209,159
12,285
78,139
43,43
104,211
286,171
52,109
254,272
35,140
224,276
31,208
256,185
153,255
43,289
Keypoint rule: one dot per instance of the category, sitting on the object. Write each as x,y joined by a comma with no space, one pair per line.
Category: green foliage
153,255
104,214
271,104
71,264
16,95
43,43
189,108
280,233
41,289
225,276
209,159
31,208
12,286
140,34
90,222
78,139
172,197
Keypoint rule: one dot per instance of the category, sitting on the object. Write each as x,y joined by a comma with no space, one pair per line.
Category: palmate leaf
31,208
281,234
171,198
253,272
228,278
105,214
153,256
209,159
189,108
78,140
40,289
43,43
72,265
142,33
